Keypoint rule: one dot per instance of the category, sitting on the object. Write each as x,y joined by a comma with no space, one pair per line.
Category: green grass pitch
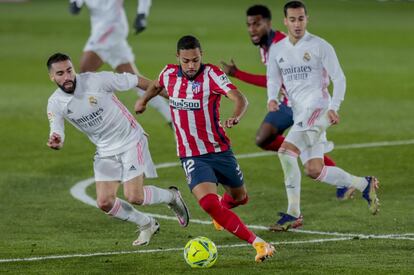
40,219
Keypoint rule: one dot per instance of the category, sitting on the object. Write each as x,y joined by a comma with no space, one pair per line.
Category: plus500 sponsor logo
184,103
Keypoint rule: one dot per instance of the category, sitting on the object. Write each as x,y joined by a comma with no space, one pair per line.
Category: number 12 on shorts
188,167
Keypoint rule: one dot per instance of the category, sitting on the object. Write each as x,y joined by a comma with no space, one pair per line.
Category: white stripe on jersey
206,90
192,124
222,84
176,116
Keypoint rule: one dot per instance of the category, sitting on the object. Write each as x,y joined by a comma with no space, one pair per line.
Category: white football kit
305,69
94,109
109,31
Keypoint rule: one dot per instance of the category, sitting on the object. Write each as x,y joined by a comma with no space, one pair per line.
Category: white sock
258,240
155,195
336,176
290,166
144,6
124,211
159,104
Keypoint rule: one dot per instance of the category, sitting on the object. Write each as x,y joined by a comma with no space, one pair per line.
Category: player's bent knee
135,198
105,204
313,171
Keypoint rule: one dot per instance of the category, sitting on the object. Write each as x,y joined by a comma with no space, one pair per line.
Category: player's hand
229,123
333,117
273,106
140,23
55,141
73,8
140,106
229,69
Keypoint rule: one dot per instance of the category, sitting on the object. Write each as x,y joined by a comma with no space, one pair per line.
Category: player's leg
108,174
269,135
202,181
288,156
136,163
90,62
316,169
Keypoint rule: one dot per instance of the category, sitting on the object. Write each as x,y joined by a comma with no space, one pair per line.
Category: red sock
275,144
228,202
328,161
225,217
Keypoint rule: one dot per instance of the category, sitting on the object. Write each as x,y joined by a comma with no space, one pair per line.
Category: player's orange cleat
264,250
217,226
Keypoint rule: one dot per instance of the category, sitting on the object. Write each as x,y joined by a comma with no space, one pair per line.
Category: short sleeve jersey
194,105
94,109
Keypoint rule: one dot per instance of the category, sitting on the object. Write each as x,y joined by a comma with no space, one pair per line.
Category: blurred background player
88,102
304,64
108,40
194,90
270,133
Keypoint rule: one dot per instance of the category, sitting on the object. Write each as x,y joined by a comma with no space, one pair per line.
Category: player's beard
68,90
262,42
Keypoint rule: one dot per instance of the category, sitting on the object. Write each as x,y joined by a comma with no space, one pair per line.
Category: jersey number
188,167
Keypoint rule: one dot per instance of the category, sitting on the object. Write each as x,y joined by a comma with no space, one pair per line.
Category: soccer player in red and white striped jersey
194,90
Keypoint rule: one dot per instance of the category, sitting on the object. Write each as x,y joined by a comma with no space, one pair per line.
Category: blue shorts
213,167
281,119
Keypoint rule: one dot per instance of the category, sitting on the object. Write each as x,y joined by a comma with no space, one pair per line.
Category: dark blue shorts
213,167
281,119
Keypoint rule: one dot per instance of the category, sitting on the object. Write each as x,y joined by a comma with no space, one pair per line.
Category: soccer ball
200,252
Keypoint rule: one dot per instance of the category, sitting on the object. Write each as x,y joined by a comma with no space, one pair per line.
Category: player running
304,64
88,102
108,40
194,90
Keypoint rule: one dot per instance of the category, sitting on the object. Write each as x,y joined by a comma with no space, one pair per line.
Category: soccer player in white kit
108,40
88,102
303,63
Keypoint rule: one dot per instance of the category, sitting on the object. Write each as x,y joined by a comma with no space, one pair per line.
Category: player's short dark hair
188,42
259,10
294,5
57,57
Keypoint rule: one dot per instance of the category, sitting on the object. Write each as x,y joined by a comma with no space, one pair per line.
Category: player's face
190,61
63,74
258,28
296,21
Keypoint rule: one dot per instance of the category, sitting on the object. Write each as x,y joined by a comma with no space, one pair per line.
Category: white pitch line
111,253
78,191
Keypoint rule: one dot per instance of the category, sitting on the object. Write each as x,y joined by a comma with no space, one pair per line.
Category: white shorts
310,139
113,54
127,165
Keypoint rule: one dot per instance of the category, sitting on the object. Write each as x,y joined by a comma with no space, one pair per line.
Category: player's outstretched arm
153,90
254,79
143,82
240,107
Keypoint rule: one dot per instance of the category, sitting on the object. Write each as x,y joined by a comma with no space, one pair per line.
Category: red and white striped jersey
194,105
274,37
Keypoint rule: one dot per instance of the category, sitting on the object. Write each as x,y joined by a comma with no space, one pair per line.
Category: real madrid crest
306,57
93,101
